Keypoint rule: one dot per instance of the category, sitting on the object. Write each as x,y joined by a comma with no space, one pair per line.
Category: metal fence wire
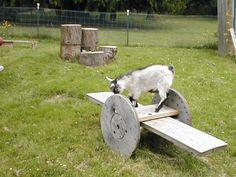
114,27
55,17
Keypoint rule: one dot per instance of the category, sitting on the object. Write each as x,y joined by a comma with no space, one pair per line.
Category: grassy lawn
48,127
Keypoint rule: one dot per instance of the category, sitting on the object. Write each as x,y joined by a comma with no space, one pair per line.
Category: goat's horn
109,79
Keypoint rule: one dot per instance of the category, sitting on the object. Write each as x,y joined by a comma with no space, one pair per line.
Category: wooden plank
11,42
99,97
146,113
184,136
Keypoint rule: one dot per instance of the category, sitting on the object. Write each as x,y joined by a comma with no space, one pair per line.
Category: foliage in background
193,7
4,28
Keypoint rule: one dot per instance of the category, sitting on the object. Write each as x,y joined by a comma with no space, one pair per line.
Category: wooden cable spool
178,102
121,122
120,125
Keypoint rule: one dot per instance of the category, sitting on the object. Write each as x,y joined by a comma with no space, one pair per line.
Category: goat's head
115,87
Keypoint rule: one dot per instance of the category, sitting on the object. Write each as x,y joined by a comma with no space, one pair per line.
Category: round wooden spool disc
120,125
176,101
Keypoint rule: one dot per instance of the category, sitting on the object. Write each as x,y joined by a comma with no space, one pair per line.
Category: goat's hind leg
164,97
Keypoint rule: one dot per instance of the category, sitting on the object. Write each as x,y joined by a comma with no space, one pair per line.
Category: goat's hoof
157,109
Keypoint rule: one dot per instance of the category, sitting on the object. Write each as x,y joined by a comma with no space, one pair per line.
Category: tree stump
90,58
110,51
89,39
70,41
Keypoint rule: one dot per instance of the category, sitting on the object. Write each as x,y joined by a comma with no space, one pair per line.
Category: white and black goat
153,78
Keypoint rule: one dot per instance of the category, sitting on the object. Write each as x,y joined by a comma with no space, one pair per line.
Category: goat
152,78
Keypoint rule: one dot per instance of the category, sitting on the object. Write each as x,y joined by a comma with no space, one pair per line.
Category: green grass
169,31
48,127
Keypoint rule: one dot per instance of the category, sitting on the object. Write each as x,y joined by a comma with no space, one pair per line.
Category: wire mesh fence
55,17
114,27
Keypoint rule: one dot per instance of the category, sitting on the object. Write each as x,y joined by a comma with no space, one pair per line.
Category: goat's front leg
133,101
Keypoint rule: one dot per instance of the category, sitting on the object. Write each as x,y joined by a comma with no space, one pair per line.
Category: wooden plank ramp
184,136
180,134
99,97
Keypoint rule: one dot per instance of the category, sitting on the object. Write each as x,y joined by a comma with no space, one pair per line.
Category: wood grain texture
146,113
89,39
180,134
120,125
225,22
99,97
176,101
70,41
71,34
184,136
110,51
70,51
90,58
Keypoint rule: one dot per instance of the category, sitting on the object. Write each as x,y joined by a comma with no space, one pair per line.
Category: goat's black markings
171,68
132,100
153,91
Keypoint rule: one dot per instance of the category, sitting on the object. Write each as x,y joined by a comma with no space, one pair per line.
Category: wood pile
82,44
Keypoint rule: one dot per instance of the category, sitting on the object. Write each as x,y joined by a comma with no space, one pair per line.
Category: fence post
127,40
225,22
38,4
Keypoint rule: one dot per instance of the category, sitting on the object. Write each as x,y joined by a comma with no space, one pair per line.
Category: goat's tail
171,68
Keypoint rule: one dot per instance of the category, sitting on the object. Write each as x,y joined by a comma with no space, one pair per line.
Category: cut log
70,41
70,51
110,51
92,58
89,39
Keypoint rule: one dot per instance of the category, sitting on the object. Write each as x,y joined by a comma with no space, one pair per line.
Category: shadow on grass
156,144
161,152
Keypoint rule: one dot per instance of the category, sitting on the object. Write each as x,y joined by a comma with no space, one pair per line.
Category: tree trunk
92,58
70,41
89,39
225,22
110,51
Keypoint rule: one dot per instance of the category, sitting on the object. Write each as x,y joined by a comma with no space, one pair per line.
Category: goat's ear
109,79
